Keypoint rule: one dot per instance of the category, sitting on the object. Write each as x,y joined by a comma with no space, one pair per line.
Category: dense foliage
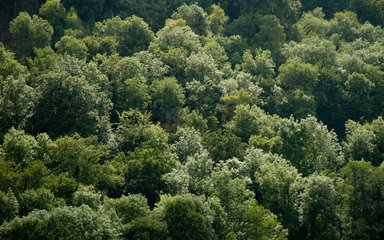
178,119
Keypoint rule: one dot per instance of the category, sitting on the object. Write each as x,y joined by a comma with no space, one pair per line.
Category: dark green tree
362,192
187,216
29,32
83,108
146,228
145,168
195,17
35,199
167,100
128,207
223,145
79,157
133,33
318,208
55,13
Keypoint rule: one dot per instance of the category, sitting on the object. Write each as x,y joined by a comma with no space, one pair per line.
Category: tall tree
362,190
194,16
30,32
167,100
55,13
17,103
318,208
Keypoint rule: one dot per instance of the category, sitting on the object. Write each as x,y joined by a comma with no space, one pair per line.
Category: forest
192,119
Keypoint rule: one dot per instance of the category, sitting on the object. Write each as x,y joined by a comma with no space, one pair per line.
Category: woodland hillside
188,119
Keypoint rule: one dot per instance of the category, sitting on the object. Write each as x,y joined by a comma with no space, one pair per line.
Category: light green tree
188,143
9,206
71,46
87,195
19,147
74,222
136,130
17,103
309,146
35,199
313,50
217,19
260,223
9,66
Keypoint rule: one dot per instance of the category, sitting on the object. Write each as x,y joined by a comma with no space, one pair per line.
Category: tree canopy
192,119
